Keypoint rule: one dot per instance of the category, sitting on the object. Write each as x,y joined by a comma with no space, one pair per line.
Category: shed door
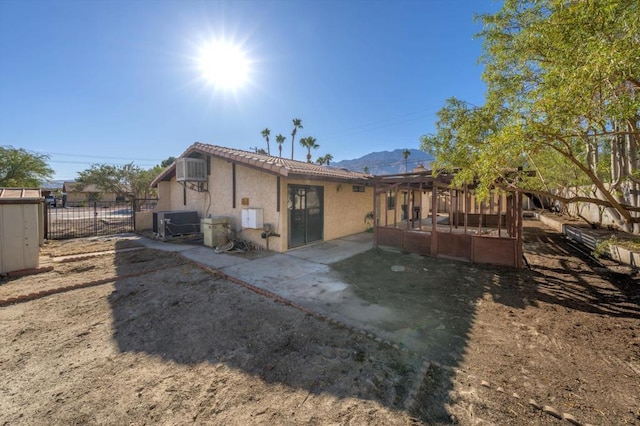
19,241
306,212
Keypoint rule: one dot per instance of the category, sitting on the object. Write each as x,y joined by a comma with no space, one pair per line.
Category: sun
223,65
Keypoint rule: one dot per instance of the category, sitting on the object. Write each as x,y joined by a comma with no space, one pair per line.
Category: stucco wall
164,196
497,202
592,212
144,221
394,216
344,210
256,187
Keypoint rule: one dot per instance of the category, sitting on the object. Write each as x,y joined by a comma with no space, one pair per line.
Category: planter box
624,255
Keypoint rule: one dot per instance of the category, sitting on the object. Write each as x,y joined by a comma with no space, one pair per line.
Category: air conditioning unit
191,169
173,223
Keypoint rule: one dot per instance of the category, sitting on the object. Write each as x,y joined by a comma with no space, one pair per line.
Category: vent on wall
191,169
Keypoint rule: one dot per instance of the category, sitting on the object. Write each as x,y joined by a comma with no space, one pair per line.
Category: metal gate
88,219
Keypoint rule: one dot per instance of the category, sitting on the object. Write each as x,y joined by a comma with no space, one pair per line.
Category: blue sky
117,81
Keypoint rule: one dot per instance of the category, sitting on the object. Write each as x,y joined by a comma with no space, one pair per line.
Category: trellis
424,213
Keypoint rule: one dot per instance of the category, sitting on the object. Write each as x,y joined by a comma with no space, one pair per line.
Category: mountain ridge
387,162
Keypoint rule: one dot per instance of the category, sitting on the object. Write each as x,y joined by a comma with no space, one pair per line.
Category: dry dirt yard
160,341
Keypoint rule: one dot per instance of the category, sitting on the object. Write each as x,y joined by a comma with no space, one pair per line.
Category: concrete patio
397,297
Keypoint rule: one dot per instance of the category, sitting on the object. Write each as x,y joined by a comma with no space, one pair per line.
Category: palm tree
406,153
265,134
365,170
310,143
303,142
328,159
320,160
297,124
280,140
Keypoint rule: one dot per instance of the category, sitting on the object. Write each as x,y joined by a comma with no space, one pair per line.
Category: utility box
176,222
252,218
20,228
215,230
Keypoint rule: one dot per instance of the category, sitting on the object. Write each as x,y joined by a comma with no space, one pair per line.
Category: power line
89,162
99,157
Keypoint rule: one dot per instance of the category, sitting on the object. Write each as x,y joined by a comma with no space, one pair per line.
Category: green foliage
21,168
166,163
310,143
280,140
328,158
265,134
563,100
603,247
127,179
297,124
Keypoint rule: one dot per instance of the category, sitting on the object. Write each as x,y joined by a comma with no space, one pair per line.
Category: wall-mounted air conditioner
191,169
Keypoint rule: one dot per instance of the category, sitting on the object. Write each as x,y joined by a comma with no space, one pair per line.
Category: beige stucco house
77,193
300,202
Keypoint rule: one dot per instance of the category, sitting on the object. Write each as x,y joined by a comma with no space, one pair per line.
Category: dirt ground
165,342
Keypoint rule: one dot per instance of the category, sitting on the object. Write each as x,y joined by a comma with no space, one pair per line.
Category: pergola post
375,216
434,218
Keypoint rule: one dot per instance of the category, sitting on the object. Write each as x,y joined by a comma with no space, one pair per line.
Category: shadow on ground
185,315
433,301
563,276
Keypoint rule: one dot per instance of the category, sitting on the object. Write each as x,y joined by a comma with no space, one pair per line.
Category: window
391,200
358,188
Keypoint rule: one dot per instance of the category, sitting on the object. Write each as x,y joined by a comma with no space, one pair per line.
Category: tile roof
268,163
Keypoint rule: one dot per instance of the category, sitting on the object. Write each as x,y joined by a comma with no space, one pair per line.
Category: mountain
387,162
53,184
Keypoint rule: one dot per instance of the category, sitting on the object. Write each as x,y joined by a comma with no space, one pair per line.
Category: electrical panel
252,218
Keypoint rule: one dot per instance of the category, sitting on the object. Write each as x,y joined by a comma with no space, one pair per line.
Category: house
295,203
77,193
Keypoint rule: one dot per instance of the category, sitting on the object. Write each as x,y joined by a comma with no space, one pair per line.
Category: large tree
167,162
297,124
309,143
21,168
128,179
328,158
406,153
280,140
265,134
563,100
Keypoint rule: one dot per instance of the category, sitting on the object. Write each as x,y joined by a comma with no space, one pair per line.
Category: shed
21,226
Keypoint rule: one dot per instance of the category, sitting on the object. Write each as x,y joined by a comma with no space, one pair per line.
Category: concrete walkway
302,275
411,308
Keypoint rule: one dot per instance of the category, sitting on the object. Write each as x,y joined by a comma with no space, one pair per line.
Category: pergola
422,212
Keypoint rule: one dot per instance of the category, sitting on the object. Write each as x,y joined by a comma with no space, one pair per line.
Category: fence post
95,218
133,213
